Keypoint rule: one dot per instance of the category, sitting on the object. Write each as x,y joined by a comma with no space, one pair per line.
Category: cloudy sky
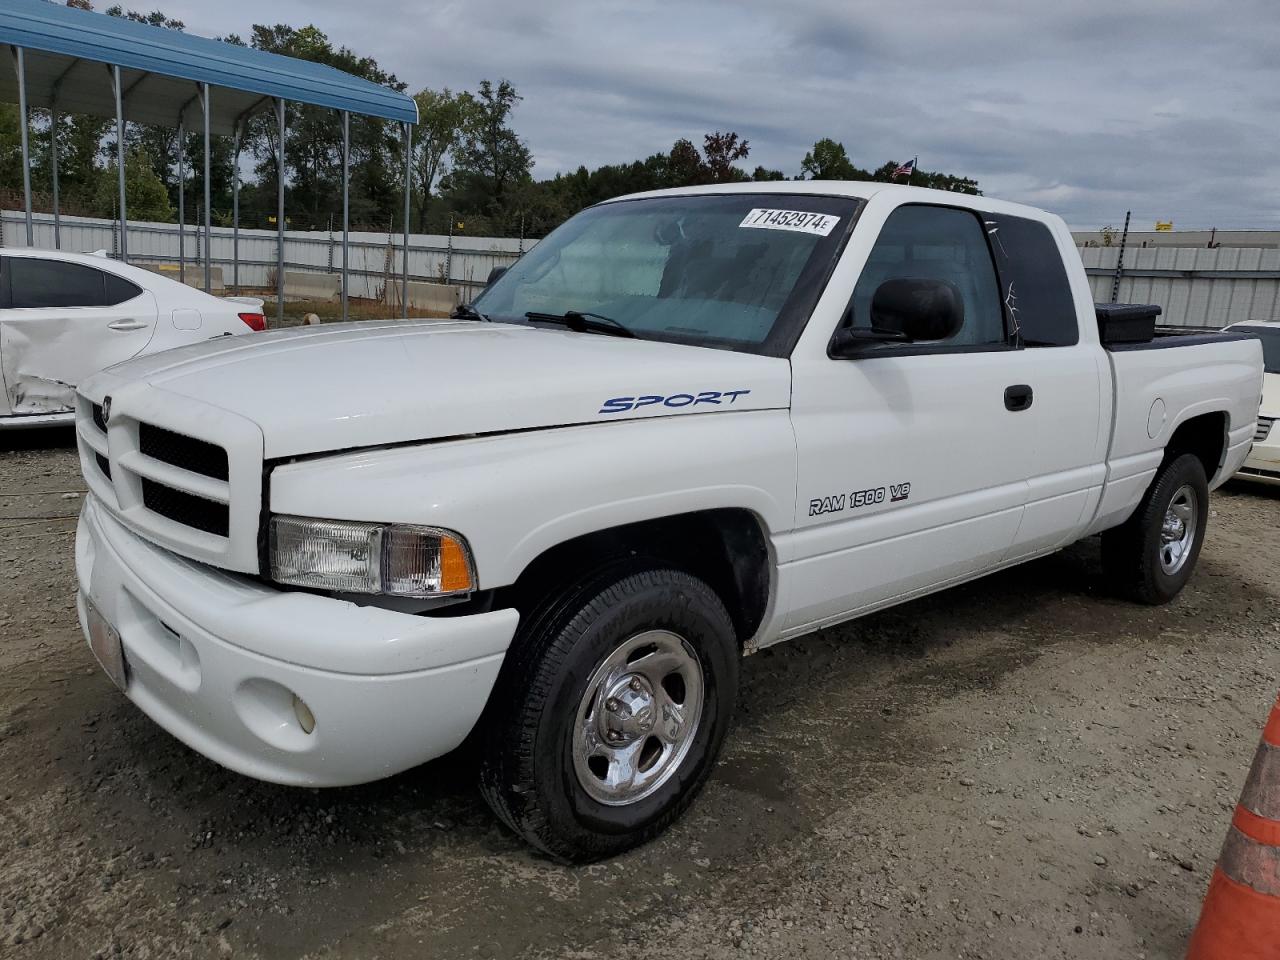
1170,108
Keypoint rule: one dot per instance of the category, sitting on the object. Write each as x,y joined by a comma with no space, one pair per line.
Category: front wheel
1151,556
611,710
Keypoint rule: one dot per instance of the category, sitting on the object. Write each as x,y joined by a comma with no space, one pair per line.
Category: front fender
513,496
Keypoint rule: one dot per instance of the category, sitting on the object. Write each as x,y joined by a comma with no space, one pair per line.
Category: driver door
912,457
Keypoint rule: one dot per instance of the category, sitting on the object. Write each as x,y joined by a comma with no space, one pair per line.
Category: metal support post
20,65
280,214
182,201
55,118
124,211
53,164
208,252
235,211
346,209
408,190
448,252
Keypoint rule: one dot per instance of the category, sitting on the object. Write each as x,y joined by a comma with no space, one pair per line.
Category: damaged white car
65,316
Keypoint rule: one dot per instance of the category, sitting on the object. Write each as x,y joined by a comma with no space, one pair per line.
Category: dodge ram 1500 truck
685,426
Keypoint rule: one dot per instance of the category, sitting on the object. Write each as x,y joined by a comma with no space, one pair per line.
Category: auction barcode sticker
798,220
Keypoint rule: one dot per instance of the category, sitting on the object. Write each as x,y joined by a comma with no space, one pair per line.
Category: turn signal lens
355,557
455,566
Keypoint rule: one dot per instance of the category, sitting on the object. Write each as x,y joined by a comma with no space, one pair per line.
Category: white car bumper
218,659
1263,462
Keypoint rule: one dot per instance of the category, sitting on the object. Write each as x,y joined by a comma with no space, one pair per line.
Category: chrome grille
1264,429
182,473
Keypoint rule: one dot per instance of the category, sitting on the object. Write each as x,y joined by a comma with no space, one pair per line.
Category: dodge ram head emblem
106,409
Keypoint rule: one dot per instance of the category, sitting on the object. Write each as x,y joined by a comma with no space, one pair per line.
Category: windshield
739,271
1270,347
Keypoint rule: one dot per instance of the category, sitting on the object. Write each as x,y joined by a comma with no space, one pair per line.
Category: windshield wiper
465,311
583,321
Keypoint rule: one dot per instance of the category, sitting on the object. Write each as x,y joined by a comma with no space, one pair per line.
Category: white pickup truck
685,426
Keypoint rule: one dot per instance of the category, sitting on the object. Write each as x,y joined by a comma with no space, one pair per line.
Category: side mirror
494,274
905,310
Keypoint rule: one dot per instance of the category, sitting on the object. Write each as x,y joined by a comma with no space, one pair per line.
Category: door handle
126,325
1018,397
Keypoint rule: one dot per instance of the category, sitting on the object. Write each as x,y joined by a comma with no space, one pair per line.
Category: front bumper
217,659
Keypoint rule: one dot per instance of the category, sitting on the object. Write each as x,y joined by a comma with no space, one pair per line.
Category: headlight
348,556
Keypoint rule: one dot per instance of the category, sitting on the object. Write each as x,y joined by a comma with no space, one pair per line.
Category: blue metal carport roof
65,49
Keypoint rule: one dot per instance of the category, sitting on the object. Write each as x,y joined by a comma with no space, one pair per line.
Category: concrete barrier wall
436,297
311,286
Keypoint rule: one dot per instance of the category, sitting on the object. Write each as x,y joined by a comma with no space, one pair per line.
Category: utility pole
1124,238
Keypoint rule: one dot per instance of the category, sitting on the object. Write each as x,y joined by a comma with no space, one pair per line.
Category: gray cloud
1165,107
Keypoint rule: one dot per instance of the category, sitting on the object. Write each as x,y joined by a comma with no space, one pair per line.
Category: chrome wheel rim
1178,531
638,718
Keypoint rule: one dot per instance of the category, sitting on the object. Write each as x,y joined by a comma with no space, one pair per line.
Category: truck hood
338,387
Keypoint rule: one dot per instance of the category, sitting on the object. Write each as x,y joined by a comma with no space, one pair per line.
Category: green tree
159,144
926,178
685,166
490,155
442,118
155,18
10,146
313,141
829,161
144,192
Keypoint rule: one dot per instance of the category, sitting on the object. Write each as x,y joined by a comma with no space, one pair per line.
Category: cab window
37,283
921,242
1035,282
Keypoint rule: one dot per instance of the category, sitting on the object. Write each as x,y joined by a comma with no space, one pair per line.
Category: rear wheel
611,710
1152,555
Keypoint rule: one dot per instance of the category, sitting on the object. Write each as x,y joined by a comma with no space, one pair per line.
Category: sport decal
715,398
799,221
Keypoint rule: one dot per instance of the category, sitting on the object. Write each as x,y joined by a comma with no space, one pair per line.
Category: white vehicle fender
1156,394
514,496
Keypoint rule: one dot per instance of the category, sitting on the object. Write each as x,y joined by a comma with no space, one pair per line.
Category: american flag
905,169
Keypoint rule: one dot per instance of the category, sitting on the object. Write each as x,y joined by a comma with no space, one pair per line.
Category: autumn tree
722,151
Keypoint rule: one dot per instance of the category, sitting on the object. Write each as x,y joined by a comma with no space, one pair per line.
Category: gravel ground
1022,767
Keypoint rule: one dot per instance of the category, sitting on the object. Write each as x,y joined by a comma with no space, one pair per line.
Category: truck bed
1157,391
1166,337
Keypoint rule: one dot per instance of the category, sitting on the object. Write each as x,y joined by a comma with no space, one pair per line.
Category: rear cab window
1034,282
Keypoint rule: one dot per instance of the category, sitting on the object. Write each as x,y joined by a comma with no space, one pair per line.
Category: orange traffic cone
1240,919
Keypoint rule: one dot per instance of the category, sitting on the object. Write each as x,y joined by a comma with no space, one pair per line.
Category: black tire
1131,552
527,770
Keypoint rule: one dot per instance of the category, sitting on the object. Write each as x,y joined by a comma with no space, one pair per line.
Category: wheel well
725,548
1205,437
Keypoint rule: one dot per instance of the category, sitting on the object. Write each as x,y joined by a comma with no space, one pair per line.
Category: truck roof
861,189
